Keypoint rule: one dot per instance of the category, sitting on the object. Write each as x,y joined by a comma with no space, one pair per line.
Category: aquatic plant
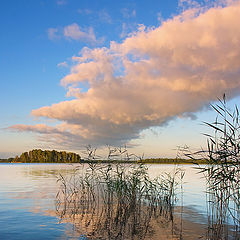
222,172
117,201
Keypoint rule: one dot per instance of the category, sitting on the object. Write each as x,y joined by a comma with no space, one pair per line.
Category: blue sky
39,40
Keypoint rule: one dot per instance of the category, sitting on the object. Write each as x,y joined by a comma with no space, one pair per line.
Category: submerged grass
117,201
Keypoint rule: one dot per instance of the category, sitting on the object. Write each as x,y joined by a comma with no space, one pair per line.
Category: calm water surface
28,191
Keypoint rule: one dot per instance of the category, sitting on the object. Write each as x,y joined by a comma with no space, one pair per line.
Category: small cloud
53,33
124,31
61,2
189,115
104,16
127,13
159,17
85,11
134,13
74,32
41,128
186,4
128,29
62,64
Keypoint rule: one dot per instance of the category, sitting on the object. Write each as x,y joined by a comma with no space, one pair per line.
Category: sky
136,73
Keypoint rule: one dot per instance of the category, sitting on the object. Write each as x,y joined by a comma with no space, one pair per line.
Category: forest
47,156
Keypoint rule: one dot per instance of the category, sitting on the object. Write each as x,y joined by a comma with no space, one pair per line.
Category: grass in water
222,173
117,201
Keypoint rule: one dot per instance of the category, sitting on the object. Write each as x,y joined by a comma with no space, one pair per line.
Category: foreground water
28,192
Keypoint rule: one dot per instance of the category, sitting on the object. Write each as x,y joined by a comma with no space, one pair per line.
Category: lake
28,193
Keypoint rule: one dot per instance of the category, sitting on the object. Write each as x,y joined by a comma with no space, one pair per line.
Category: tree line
53,156
172,161
47,156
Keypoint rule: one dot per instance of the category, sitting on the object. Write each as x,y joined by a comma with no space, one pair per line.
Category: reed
117,201
222,172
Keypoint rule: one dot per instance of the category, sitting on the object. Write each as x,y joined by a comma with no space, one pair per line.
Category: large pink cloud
151,77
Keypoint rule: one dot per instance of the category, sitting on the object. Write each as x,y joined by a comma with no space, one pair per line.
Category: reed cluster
116,201
222,172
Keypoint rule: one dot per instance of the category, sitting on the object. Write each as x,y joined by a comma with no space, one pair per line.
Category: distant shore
145,161
53,156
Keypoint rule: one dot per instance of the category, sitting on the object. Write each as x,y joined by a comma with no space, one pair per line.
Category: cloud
85,11
61,2
101,15
153,76
53,33
62,64
40,128
124,32
127,13
104,16
127,29
74,32
188,4
159,17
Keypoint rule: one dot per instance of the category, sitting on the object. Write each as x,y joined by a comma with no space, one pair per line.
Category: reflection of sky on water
193,184
27,193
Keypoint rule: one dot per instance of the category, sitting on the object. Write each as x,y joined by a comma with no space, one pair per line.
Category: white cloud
153,76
